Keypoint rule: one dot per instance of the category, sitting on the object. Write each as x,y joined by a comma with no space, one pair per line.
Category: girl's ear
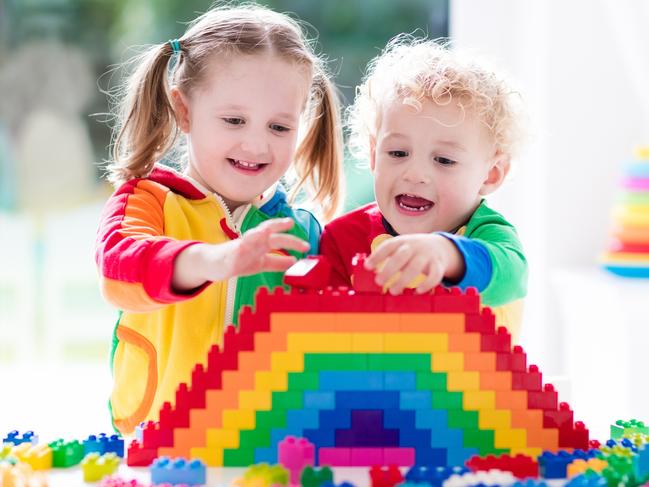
500,166
372,153
181,109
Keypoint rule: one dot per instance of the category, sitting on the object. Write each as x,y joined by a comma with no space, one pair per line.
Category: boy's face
432,166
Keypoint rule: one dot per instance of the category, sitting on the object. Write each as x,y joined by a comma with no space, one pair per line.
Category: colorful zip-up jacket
492,253
160,334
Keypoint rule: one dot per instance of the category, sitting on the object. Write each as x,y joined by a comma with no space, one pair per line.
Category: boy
438,132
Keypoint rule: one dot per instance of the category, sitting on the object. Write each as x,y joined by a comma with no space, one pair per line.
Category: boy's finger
381,253
277,263
288,242
393,264
408,274
433,278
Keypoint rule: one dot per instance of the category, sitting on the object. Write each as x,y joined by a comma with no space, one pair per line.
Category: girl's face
241,124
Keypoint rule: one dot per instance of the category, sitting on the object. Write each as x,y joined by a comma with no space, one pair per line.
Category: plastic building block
295,454
103,443
555,465
95,466
263,475
588,479
580,466
15,438
178,471
20,475
66,454
385,476
491,478
362,279
434,476
310,273
641,463
520,466
622,429
117,481
315,477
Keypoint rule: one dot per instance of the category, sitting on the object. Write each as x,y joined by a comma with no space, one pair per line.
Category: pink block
335,457
402,457
366,457
295,454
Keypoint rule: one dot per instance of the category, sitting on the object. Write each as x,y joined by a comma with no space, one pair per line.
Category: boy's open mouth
412,203
247,166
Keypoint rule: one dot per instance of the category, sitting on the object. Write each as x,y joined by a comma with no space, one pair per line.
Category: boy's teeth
413,203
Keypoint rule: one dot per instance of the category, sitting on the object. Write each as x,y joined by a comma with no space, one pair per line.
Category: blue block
400,381
178,471
302,418
319,400
416,400
433,419
419,439
320,438
278,434
435,457
266,455
351,381
396,418
446,438
335,419
456,456
367,399
641,463
15,438
425,475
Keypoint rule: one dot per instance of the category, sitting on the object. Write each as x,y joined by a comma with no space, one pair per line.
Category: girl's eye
444,161
234,120
279,128
398,153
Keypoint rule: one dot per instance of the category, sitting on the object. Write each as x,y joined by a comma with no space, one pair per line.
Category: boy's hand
401,259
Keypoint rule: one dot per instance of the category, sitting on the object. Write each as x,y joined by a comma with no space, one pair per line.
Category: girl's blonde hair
414,70
146,126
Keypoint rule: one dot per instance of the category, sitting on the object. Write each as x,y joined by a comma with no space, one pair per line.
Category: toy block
337,361
431,322
363,280
319,400
510,438
555,465
117,481
580,466
415,400
138,456
295,454
95,466
409,301
352,380
623,428
463,381
496,381
367,342
315,477
495,419
270,381
447,362
362,457
528,381
482,322
263,475
385,476
38,457
212,457
319,342
498,342
480,361
20,475
222,438
399,361
560,419
526,418
103,443
492,477
479,400
66,454
514,361
305,381
178,471
433,475
154,435
287,362
457,301
238,419
15,438
588,479
335,457
255,399
464,342
520,466
310,273
399,381
401,457
641,464
546,399
415,342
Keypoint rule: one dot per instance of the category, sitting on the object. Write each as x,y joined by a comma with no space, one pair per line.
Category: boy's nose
416,173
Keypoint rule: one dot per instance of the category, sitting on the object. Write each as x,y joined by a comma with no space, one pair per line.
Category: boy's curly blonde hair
417,69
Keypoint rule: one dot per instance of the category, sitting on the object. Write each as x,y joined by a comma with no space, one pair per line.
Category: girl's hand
400,260
249,254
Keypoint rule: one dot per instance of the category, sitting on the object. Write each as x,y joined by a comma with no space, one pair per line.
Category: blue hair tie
175,45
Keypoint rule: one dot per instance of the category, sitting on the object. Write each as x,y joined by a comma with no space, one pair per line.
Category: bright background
581,65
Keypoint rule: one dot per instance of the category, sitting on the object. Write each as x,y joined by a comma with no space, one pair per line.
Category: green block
447,400
66,454
243,457
467,420
271,419
399,361
251,439
303,381
483,440
335,361
287,400
431,381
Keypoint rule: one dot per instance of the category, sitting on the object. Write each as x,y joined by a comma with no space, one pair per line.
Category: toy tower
628,253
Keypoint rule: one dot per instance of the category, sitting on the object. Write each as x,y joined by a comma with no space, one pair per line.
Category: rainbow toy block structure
368,378
628,253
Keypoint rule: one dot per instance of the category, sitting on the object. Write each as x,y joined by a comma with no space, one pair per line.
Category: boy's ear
181,109
372,153
499,168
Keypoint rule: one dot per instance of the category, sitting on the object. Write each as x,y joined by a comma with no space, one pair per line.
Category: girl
173,248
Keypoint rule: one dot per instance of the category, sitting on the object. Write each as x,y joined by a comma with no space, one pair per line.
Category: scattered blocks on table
66,454
178,471
294,454
95,466
263,475
315,477
14,437
382,476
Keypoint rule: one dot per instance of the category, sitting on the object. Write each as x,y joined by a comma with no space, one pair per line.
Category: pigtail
319,158
148,129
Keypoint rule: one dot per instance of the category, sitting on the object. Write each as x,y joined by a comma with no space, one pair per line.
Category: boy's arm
134,257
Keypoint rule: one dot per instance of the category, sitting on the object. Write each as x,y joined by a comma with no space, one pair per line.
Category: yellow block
530,452
415,342
463,381
510,438
271,381
238,419
367,342
212,457
496,419
319,342
479,400
447,362
222,438
256,400
287,362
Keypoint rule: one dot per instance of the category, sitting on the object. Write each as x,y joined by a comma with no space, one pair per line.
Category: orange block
511,400
251,360
237,379
187,438
525,418
481,361
545,439
366,322
201,419
464,342
432,323
496,381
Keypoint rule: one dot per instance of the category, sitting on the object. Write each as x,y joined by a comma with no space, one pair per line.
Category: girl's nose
255,144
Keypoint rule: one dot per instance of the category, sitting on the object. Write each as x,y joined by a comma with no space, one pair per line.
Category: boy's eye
234,120
444,161
279,128
398,153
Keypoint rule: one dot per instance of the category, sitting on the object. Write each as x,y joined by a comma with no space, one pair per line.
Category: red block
527,381
483,322
362,279
515,361
137,456
385,476
547,399
455,301
310,273
520,466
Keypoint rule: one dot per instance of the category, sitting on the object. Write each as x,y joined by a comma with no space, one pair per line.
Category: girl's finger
276,225
288,242
393,264
277,263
